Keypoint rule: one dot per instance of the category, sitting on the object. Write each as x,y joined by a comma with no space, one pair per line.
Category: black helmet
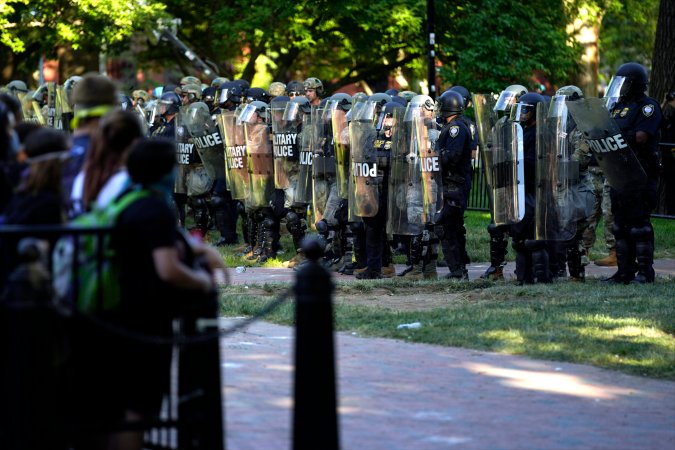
243,84
531,98
449,103
295,88
229,92
171,102
209,95
526,104
392,92
636,79
380,99
256,93
464,92
343,101
400,100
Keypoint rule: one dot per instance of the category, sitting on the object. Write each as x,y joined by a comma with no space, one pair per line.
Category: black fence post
315,422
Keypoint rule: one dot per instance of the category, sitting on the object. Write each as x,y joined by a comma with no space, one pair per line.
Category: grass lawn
625,328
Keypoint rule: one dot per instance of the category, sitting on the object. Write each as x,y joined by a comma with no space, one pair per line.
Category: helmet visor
618,87
247,115
292,112
505,100
521,112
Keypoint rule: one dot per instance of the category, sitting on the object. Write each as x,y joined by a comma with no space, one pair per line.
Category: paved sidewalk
397,395
663,267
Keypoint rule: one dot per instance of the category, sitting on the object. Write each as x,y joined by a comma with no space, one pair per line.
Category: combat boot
607,261
388,271
416,272
493,273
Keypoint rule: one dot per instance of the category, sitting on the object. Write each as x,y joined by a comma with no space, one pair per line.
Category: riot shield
303,184
186,153
364,192
507,172
31,109
559,203
486,118
617,160
235,155
341,145
406,193
323,162
260,164
65,112
207,139
284,142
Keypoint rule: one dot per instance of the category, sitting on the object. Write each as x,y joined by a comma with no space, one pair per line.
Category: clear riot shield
31,109
323,162
559,204
53,116
207,139
236,161
284,141
364,192
260,164
411,145
303,186
341,145
507,173
486,118
619,164
65,112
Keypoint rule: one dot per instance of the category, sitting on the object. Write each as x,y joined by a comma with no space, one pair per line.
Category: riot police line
396,167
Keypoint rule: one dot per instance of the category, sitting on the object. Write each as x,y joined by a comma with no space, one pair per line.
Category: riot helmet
379,99
189,80
629,80
342,100
168,104
40,95
407,95
296,107
259,94
218,81
314,83
254,110
385,123
420,106
508,97
571,92
191,93
450,103
209,96
525,111
140,97
124,101
464,92
276,89
17,87
392,92
195,114
295,88
229,92
400,100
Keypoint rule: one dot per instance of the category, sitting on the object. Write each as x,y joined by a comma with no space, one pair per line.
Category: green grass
625,328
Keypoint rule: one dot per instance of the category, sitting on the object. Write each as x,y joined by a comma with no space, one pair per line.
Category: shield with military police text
236,162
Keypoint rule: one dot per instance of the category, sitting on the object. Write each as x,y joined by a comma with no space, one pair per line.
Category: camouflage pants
602,207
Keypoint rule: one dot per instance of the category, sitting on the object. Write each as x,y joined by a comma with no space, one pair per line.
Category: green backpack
84,281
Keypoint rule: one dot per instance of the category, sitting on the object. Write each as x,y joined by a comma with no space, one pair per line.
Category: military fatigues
454,148
632,208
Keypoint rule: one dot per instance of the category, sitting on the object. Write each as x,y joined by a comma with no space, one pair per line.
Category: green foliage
490,44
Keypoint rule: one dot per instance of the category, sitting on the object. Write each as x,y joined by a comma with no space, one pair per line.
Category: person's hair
44,175
23,129
112,139
150,160
13,104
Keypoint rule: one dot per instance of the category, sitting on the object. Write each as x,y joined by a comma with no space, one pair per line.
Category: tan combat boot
609,260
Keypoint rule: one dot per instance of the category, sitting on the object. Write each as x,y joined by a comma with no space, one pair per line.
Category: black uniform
632,226
454,144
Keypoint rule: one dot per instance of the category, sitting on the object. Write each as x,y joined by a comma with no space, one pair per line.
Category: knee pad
268,223
321,226
643,233
294,223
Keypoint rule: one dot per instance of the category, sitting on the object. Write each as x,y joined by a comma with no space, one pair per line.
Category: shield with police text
186,154
406,191
559,201
260,165
364,190
507,173
207,139
323,162
236,162
303,181
619,164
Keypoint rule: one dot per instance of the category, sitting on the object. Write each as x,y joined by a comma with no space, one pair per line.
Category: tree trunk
663,60
586,31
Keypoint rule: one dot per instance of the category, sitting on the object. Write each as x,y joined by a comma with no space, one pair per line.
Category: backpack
84,281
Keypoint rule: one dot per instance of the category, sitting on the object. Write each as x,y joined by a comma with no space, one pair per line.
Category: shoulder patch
454,131
648,110
624,112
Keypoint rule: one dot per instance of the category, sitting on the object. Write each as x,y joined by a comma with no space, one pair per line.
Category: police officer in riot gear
532,257
166,109
295,88
276,89
454,149
218,81
639,118
257,94
372,173
229,96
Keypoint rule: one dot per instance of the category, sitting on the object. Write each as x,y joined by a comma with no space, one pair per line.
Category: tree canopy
483,45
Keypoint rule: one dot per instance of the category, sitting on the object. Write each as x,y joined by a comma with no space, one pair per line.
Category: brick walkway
396,395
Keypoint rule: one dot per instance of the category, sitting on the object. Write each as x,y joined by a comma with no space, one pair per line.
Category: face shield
292,112
522,112
505,100
618,87
247,115
222,96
